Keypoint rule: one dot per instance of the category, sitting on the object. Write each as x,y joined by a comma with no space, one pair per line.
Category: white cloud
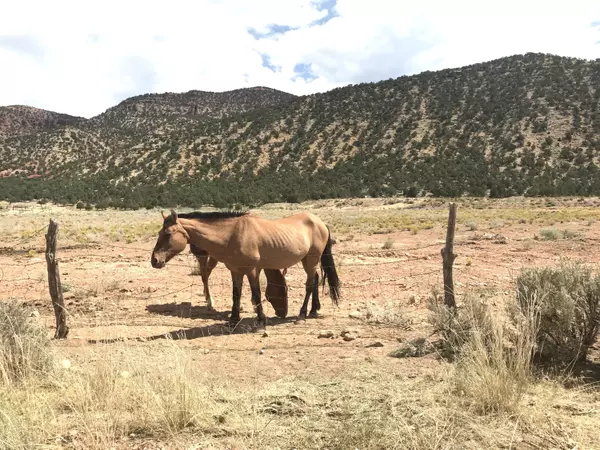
83,57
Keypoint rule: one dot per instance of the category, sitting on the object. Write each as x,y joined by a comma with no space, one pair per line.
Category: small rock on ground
415,348
413,299
350,330
326,334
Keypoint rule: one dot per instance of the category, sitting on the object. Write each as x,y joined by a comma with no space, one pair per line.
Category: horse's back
303,223
286,240
306,226
305,218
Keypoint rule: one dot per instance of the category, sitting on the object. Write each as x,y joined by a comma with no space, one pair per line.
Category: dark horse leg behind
276,292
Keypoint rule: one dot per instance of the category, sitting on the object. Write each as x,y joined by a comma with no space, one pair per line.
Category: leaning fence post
448,257
56,294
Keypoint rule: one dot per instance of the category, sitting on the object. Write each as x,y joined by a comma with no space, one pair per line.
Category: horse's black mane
212,215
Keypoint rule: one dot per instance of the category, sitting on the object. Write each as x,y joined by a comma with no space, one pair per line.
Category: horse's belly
281,259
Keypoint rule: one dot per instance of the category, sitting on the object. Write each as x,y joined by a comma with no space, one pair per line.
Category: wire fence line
293,280
219,281
93,285
189,261
176,300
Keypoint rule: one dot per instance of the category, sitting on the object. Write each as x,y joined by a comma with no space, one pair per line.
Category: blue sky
83,57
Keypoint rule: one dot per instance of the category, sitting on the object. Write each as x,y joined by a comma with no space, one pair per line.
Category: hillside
152,109
526,124
20,120
194,103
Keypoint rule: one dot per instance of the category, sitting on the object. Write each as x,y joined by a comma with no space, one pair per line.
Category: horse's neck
208,235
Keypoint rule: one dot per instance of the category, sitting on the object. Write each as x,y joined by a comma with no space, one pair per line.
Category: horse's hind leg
254,281
310,267
316,304
304,308
237,279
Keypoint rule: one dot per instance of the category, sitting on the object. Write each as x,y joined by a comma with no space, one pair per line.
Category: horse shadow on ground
185,310
245,326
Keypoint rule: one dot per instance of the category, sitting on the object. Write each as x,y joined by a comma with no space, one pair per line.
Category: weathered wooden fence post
448,257
58,302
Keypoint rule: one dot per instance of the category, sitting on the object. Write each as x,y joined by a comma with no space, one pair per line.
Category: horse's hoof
313,315
232,323
301,319
260,325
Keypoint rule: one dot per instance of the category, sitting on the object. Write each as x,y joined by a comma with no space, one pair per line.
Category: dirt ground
112,292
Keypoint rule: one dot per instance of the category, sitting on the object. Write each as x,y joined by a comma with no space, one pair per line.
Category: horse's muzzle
156,263
281,312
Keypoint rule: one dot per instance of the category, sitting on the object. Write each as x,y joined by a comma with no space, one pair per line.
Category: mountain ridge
523,124
23,119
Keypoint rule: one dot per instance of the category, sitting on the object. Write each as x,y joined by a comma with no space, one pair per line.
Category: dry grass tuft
494,365
389,314
25,349
123,395
493,353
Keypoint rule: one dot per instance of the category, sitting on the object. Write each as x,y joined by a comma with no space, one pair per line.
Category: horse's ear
164,216
174,215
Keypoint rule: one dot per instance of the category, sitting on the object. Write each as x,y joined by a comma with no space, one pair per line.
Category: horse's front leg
206,267
254,280
204,273
237,279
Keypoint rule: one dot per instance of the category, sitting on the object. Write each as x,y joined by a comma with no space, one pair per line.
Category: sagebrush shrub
567,302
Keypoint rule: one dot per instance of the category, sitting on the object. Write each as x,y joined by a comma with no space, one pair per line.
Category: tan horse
276,292
247,244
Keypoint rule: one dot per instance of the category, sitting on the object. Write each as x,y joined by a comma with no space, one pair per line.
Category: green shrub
550,234
553,234
471,226
388,244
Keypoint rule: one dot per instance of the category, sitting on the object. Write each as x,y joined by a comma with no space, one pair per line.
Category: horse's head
172,239
277,292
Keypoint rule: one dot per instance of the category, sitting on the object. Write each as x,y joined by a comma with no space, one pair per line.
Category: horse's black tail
328,270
